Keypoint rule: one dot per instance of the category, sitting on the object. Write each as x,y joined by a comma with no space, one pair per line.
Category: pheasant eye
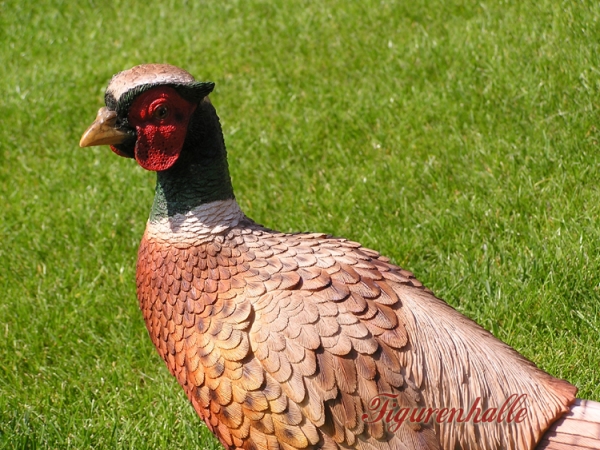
162,112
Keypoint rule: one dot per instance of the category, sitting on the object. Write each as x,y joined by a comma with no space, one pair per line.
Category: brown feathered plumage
295,341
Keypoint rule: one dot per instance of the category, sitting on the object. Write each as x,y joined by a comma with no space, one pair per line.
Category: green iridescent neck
181,191
201,174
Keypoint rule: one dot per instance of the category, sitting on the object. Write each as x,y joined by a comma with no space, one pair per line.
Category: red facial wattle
161,118
119,152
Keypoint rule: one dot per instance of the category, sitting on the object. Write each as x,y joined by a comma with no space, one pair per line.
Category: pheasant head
160,116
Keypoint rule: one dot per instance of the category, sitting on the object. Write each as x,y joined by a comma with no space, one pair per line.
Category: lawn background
459,138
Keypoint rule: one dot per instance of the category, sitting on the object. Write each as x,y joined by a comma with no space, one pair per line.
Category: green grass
459,138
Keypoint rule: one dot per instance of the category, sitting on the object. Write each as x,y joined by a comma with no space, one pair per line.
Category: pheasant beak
103,131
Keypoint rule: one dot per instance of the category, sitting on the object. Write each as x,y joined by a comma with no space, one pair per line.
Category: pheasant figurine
306,341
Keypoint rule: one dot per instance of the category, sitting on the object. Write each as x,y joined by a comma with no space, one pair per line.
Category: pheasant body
285,338
295,341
